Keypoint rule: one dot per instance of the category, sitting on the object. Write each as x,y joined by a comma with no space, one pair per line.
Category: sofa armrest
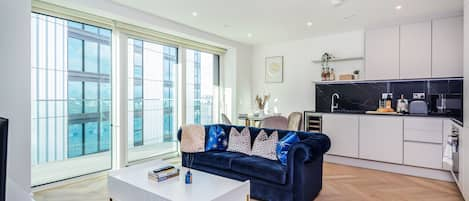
304,152
304,163
309,148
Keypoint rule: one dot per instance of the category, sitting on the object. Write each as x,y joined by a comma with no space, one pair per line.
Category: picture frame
274,69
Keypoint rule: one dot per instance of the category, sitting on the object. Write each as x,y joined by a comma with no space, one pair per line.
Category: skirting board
389,167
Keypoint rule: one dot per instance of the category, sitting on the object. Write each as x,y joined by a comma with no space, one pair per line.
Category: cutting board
376,112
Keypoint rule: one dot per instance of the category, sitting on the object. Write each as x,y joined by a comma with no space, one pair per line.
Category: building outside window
152,99
71,98
202,80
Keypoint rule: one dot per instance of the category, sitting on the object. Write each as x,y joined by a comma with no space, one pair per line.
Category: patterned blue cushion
284,145
217,139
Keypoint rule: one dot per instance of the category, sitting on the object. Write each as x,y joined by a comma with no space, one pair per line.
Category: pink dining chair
275,122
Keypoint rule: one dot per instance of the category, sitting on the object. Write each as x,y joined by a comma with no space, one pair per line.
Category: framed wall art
274,69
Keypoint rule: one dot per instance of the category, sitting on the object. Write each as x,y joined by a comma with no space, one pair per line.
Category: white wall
297,93
465,139
466,64
237,59
15,88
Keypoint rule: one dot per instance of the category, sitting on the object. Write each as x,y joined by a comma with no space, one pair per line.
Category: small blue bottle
188,177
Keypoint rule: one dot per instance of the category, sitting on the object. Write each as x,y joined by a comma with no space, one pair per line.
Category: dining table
255,119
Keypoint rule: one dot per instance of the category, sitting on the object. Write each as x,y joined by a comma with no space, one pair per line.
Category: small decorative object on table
262,102
189,160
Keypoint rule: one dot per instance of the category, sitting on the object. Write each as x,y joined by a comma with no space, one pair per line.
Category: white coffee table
132,183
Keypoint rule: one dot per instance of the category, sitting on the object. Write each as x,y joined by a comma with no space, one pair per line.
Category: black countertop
430,115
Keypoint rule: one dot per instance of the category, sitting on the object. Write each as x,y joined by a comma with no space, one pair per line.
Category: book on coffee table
161,175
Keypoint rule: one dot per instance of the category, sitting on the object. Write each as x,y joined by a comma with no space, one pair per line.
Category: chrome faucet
334,104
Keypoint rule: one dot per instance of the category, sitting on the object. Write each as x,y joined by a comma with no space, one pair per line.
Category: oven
451,155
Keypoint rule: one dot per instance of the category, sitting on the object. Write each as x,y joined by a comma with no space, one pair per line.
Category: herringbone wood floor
341,183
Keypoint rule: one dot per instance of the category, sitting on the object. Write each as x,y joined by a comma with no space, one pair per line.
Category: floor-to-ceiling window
71,99
152,90
202,80
75,85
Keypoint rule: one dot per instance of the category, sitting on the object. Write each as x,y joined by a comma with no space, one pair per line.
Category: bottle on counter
402,105
388,102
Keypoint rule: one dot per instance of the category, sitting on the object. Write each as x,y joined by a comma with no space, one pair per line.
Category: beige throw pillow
240,142
264,146
193,139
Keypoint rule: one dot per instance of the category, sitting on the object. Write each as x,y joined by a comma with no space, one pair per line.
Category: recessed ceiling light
195,14
250,35
398,7
309,24
337,2
349,17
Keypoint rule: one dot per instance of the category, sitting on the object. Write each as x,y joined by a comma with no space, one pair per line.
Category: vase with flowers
262,102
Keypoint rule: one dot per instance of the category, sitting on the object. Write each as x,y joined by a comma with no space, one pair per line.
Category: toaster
418,107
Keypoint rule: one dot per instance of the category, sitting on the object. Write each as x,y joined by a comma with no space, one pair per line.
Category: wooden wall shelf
341,59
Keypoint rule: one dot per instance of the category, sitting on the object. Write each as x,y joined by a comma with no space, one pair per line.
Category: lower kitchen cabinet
381,139
343,132
423,154
420,129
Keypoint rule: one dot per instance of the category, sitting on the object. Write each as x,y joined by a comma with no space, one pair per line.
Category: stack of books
163,173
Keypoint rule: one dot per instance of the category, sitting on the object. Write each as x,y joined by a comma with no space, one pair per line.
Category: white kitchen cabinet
381,138
343,133
423,154
382,54
447,47
415,50
428,130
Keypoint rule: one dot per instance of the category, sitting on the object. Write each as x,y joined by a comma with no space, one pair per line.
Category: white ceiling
281,20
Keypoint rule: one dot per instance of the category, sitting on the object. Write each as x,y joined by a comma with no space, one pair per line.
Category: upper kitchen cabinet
415,50
382,54
447,47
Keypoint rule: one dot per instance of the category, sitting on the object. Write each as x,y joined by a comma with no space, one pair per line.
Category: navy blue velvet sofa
299,180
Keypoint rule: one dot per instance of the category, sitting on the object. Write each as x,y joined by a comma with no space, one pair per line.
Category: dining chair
295,121
225,119
275,122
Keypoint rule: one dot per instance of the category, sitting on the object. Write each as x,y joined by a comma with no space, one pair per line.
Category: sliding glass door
71,99
202,81
152,99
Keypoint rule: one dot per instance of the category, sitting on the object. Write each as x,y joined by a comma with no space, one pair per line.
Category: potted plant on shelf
356,74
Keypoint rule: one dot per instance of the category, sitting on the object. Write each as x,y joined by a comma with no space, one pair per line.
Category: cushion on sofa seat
260,168
218,159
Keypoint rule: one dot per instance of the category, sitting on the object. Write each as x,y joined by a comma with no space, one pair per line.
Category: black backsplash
364,96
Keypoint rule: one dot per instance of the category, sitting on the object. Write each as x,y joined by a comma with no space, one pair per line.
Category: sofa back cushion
192,139
264,145
322,139
217,139
240,141
284,145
